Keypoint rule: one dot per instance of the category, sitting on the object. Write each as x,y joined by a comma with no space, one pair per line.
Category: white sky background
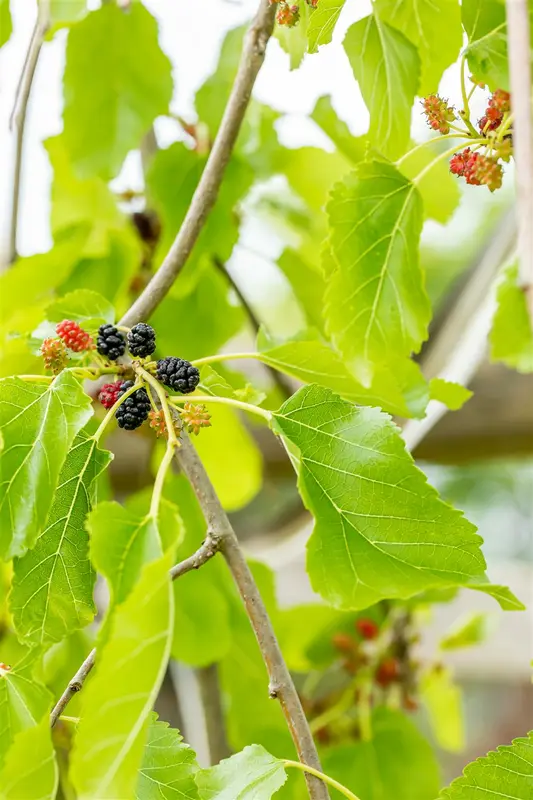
191,32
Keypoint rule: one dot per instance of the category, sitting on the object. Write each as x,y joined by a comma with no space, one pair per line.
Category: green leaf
88,308
434,27
307,283
252,774
211,382
30,770
396,764
168,766
6,26
314,361
438,188
511,337
442,699
451,394
507,600
322,23
63,13
381,531
377,310
108,746
53,583
23,703
325,116
38,423
106,117
485,23
294,40
387,67
502,774
470,630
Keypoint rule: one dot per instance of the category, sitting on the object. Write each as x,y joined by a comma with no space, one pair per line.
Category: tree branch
75,685
215,727
205,552
18,117
518,34
207,190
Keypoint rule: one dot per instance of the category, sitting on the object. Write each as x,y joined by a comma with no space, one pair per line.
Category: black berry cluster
179,374
110,342
141,340
135,408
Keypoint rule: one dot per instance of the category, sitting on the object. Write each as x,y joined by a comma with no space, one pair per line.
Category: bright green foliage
168,766
485,23
108,745
396,764
434,27
451,394
438,188
353,147
501,774
90,309
442,699
471,629
377,309
322,23
30,770
511,338
252,774
6,26
38,423
65,12
23,703
107,116
214,384
294,40
387,67
507,600
381,531
307,282
53,582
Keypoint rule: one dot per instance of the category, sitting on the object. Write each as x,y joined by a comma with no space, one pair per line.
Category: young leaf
6,25
38,423
322,23
211,382
252,774
434,27
501,774
109,741
485,23
90,309
381,530
30,770
53,583
442,698
511,338
451,394
23,703
387,68
168,766
473,629
107,116
377,310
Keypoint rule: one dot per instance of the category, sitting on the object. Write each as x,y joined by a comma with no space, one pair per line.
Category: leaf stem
229,401
444,155
344,703
326,778
111,413
199,362
160,479
433,140
162,396
35,378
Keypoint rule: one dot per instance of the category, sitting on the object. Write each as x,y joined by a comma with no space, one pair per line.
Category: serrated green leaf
396,764
106,117
6,25
88,308
387,68
353,147
38,424
485,23
511,337
108,747
381,531
30,770
434,27
502,774
438,188
442,698
377,310
168,766
322,23
451,394
467,631
313,361
23,703
53,583
252,774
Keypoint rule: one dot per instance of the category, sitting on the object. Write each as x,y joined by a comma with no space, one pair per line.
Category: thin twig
205,552
18,117
277,377
75,685
209,685
518,35
207,190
